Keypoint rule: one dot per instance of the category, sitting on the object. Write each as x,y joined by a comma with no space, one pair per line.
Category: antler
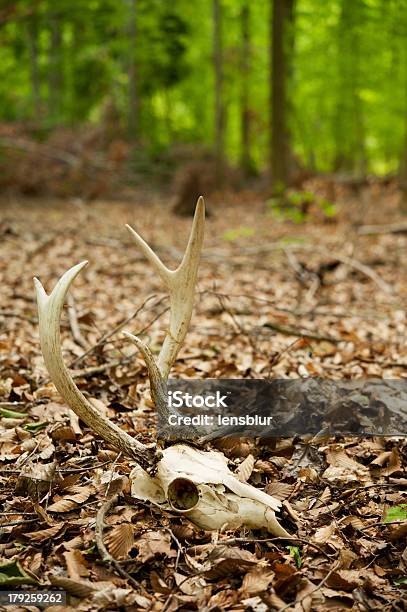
180,283
49,311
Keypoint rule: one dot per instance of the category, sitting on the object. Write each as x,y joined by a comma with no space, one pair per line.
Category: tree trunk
133,99
246,161
350,130
32,36
281,51
55,78
219,108
403,174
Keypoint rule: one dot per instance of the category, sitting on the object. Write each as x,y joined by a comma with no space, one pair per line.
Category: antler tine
49,311
180,284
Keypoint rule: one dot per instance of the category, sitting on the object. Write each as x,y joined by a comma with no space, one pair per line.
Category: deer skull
195,483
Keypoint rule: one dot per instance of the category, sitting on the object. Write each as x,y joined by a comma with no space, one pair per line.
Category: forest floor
275,299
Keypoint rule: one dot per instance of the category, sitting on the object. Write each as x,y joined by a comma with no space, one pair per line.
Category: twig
370,486
391,228
381,524
291,331
15,315
300,342
364,269
352,263
237,323
84,469
114,331
114,462
74,324
20,522
178,543
12,405
232,541
104,553
92,370
60,471
296,313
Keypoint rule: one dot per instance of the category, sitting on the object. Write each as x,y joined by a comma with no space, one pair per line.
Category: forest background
281,89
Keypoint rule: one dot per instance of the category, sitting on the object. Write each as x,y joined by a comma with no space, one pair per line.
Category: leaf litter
343,500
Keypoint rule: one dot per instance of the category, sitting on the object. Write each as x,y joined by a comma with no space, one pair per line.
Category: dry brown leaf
324,534
231,552
63,433
339,459
37,479
245,469
77,588
264,467
45,534
158,585
307,597
120,540
153,543
78,495
393,464
346,558
112,483
228,567
256,581
279,490
76,564
355,521
196,585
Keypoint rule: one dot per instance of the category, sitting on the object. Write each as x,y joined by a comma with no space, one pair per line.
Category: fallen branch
391,228
118,328
291,331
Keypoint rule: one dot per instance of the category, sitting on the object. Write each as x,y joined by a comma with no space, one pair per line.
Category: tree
245,123
33,50
219,106
403,174
133,102
55,65
349,120
281,49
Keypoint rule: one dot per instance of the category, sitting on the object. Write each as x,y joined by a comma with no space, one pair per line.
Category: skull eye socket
183,494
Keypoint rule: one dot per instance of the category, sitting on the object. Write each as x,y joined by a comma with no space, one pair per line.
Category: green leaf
12,573
397,513
35,427
296,554
12,414
400,581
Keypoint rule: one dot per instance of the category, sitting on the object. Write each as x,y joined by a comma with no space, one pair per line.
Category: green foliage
296,554
60,66
299,206
397,513
11,574
35,427
237,233
12,414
